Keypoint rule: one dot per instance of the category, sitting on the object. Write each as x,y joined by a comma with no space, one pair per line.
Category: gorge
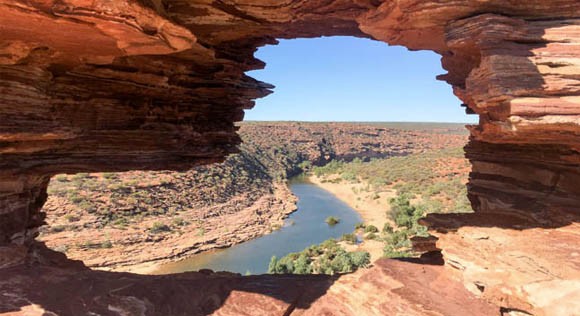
108,86
302,229
135,220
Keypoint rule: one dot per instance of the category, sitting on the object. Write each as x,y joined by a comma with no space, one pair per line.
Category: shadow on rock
50,283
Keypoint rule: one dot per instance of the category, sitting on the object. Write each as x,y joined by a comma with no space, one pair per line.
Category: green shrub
87,206
387,228
178,221
71,218
360,259
159,228
348,176
398,238
302,265
58,228
275,227
109,175
360,226
403,213
61,178
325,258
96,245
331,220
273,266
76,198
371,229
350,238
342,263
305,165
372,236
81,176
391,252
121,221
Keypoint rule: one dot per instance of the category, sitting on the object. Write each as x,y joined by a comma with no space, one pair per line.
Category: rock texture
389,288
157,84
106,219
533,270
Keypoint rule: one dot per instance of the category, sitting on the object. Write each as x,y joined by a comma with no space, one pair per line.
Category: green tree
403,213
302,265
360,259
350,238
273,264
342,263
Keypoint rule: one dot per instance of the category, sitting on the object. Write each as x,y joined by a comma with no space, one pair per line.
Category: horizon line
298,121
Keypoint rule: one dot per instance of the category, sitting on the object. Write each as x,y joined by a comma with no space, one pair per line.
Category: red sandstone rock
390,288
120,85
231,210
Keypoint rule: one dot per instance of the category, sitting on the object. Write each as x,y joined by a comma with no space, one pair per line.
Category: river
302,228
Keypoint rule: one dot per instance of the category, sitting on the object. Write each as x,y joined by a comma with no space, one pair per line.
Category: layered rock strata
120,85
109,220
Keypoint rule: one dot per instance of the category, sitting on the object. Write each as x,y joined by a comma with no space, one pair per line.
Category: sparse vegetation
107,244
360,226
349,238
431,175
58,228
71,218
158,228
178,221
325,258
425,183
166,200
371,229
372,236
109,175
331,220
276,227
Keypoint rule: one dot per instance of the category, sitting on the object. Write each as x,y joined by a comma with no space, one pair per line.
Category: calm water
303,228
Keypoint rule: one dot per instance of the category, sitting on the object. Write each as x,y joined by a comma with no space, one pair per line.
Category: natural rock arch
143,84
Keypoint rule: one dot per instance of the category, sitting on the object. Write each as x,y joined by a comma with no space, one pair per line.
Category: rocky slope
101,85
119,220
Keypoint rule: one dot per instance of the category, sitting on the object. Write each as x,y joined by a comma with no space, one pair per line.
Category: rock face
106,219
120,85
391,287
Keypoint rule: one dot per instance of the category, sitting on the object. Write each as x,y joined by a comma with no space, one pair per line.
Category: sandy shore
371,207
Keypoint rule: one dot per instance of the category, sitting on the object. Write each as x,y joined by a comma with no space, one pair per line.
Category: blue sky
353,79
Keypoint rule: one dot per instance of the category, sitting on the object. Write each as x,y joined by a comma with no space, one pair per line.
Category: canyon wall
158,84
113,220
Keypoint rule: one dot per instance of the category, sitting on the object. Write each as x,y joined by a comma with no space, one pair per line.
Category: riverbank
371,206
139,249
266,216
121,221
302,229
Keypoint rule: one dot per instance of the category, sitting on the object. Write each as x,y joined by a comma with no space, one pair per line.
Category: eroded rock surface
391,287
120,85
108,220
